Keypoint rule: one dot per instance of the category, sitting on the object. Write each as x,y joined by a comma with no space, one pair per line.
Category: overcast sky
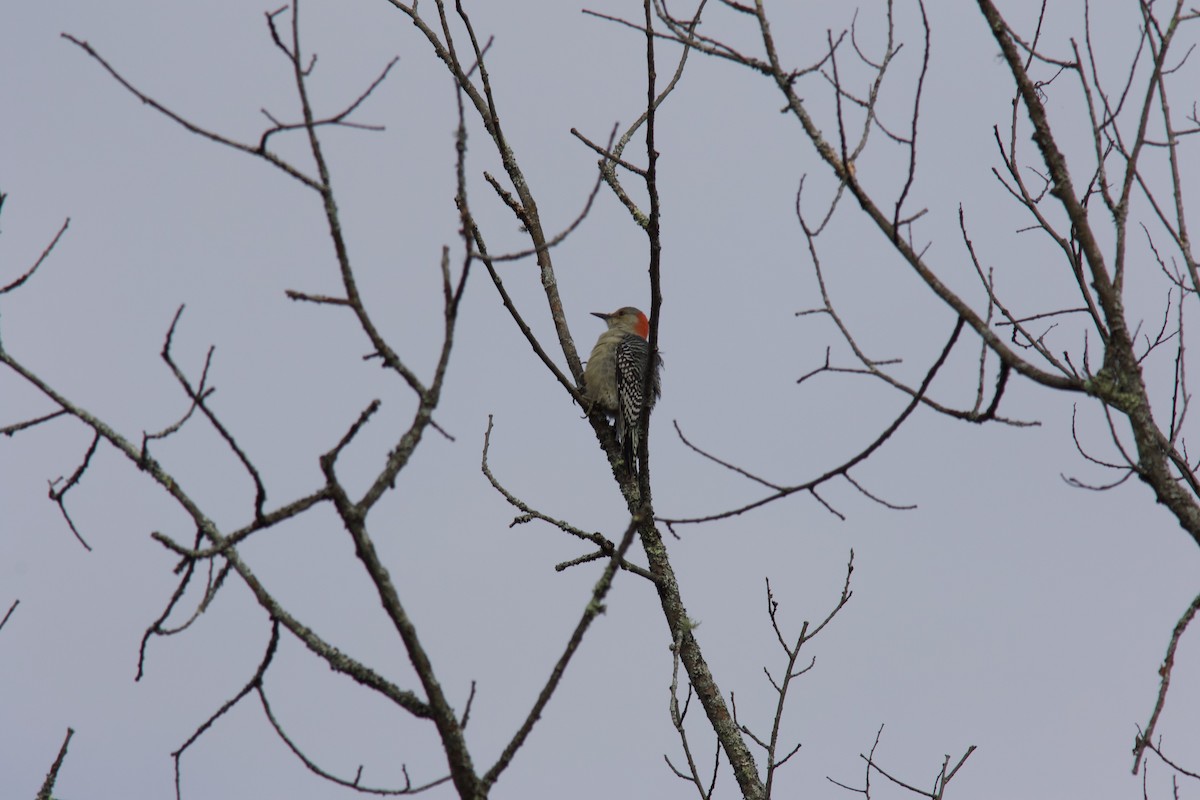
1008,611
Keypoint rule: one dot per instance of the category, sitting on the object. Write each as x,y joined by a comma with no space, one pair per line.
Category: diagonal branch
845,467
594,608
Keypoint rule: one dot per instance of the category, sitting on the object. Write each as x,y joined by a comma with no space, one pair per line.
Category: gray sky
1008,611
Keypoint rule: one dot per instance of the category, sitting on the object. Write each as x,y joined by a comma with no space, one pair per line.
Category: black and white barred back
632,357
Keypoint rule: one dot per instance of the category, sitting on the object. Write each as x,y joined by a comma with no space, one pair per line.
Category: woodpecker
615,377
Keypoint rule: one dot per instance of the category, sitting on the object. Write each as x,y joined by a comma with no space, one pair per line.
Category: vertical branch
1158,57
740,758
47,790
653,233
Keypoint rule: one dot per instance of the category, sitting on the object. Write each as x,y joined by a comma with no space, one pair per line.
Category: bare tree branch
47,790
1144,738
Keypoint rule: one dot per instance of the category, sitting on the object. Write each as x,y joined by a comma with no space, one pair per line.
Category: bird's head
627,319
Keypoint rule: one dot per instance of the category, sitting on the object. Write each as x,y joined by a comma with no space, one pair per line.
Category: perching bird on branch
615,378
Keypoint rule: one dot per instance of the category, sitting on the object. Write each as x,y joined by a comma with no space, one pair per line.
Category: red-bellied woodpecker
615,377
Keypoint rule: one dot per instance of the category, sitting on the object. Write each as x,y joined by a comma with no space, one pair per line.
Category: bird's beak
601,315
